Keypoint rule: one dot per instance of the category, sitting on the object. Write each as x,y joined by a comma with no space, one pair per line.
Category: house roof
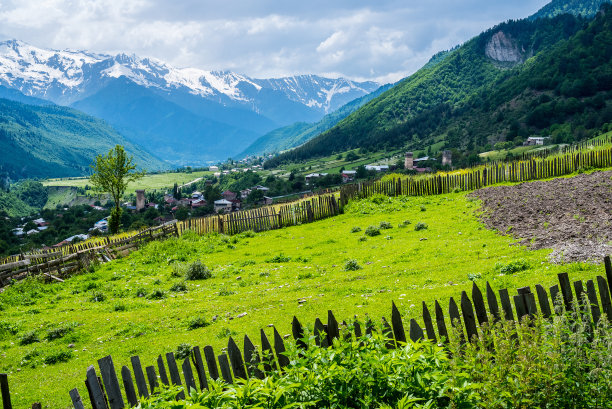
223,202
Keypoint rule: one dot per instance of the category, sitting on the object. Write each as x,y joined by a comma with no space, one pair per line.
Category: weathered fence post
6,395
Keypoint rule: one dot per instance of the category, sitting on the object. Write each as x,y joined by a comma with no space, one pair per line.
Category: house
262,188
236,204
153,205
41,228
79,237
310,177
18,232
31,232
245,193
535,140
99,208
213,168
217,174
197,195
229,195
184,202
198,203
267,200
223,205
348,175
40,222
101,225
169,199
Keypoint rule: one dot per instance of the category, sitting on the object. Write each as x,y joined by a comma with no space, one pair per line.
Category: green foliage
156,294
97,296
584,8
198,322
179,287
385,225
182,351
197,271
372,231
60,332
29,338
279,258
32,193
57,357
512,267
420,226
352,265
355,229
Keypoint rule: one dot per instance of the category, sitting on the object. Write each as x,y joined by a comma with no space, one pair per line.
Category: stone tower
140,199
447,158
408,161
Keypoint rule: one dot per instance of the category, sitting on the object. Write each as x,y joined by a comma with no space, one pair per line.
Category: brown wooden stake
440,323
162,370
188,376
543,299
492,302
604,294
152,377
398,326
416,332
468,316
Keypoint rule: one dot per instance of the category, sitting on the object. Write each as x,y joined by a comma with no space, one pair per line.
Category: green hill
298,133
584,8
418,105
54,141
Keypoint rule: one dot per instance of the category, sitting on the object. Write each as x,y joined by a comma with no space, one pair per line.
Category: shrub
119,307
280,258
29,338
97,296
197,322
511,267
302,275
351,265
141,292
57,357
372,231
182,351
420,226
197,271
405,223
178,270
423,208
57,333
363,238
355,229
179,287
385,226
224,293
157,294
225,333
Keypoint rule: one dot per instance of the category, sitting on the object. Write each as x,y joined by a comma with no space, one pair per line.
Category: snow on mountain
67,76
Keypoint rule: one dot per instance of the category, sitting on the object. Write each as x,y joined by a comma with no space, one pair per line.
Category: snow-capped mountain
67,76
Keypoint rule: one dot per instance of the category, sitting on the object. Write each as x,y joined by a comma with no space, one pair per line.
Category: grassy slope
403,268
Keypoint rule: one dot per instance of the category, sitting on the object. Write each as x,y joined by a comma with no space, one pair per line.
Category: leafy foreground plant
562,363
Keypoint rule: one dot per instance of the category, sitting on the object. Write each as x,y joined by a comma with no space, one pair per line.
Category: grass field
149,182
263,275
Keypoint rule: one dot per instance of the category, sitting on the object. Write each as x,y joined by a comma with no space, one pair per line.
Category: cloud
384,40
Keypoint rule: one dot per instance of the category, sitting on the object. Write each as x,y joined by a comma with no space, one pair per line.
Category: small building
377,168
169,199
78,237
409,161
535,140
348,175
310,177
447,158
262,188
31,232
40,222
267,200
245,193
140,199
197,195
223,205
213,168
198,203
18,232
184,202
229,195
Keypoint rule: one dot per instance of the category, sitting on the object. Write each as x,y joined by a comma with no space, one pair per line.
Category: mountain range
184,115
486,90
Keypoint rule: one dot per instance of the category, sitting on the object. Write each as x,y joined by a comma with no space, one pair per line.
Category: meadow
144,305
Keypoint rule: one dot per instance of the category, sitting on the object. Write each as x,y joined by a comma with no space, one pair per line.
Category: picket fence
105,390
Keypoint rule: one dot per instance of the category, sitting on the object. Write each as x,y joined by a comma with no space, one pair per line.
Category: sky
382,40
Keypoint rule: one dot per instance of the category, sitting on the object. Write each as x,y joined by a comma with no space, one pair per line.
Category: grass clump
511,267
182,351
420,226
57,333
97,296
280,258
403,224
57,357
355,229
157,294
198,322
372,231
352,265
385,225
179,287
197,271
29,338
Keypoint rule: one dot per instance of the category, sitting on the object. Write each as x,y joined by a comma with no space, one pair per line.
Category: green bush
225,293
57,333
511,267
182,351
29,338
385,226
355,229
97,296
372,231
197,271
280,258
198,322
57,357
420,226
157,294
141,292
179,287
351,265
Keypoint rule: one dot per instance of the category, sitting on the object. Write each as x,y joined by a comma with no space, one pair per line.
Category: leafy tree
182,213
32,192
111,174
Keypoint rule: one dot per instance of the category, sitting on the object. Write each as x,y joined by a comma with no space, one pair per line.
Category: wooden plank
98,401
519,304
175,377
298,333
235,358
580,294
592,294
199,365
269,363
141,383
440,323
162,370
529,301
128,386
333,331
492,302
416,332
467,310
188,376
77,402
320,334
6,394
504,299
224,365
566,290
388,333
111,383
479,305
251,358
543,300
152,377
554,296
604,294
431,333
398,326
279,347
211,362
608,267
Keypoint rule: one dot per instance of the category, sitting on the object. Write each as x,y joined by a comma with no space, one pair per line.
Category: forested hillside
54,141
584,8
421,104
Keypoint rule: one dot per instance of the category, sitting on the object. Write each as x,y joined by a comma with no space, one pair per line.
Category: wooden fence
105,391
481,176
60,262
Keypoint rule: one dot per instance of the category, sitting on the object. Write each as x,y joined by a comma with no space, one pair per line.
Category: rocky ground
573,216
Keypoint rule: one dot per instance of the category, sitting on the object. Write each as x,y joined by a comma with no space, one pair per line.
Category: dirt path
573,216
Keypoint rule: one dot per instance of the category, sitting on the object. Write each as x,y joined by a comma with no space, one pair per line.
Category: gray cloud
383,40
